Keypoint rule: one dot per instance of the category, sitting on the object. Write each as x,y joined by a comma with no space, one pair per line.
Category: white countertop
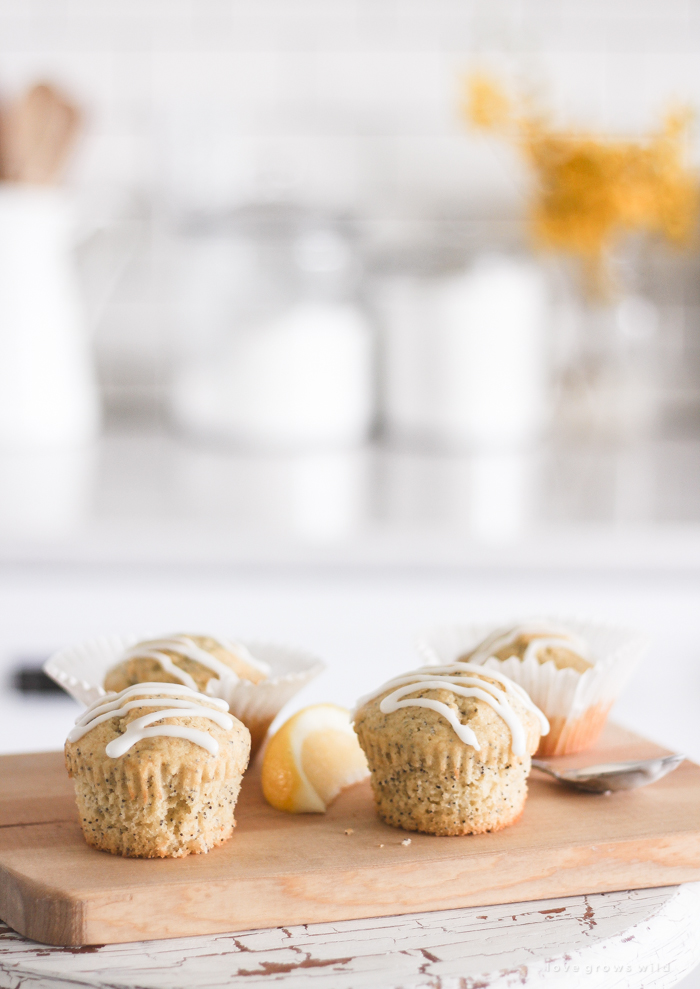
363,623
151,498
350,555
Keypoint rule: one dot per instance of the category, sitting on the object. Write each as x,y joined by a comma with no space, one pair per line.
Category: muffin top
192,660
158,721
540,640
479,707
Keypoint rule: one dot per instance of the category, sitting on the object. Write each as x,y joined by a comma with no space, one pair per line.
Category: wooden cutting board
282,869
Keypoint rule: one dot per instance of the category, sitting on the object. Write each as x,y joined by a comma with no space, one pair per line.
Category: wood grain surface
281,869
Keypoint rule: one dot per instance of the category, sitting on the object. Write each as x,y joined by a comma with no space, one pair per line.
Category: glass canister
608,354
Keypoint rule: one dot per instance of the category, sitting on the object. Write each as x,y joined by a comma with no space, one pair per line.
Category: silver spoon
611,776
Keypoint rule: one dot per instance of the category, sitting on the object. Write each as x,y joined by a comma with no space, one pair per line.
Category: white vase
48,391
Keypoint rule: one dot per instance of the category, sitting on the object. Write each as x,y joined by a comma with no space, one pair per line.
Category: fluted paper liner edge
80,669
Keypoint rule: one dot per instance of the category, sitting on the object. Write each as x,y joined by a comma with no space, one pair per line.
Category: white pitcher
48,391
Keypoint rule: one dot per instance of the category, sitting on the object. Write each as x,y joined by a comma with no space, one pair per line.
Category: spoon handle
544,768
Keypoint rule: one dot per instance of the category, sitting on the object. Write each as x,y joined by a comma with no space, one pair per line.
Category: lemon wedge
313,756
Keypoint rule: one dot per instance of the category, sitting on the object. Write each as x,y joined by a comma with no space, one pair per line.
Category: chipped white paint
644,939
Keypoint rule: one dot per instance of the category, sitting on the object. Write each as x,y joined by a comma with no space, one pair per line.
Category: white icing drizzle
544,635
183,645
166,664
455,677
180,702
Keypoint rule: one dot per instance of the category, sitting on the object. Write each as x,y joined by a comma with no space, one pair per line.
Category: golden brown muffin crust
562,657
142,669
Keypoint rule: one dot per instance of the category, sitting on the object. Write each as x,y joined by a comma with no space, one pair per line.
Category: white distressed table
644,939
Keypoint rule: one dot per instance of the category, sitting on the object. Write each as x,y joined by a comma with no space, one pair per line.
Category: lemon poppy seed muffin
449,749
193,660
157,770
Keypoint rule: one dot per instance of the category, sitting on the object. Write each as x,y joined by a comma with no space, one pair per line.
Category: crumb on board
406,841
381,846
349,831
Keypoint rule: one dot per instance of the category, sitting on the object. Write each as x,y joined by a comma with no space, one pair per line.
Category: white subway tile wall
352,105
349,102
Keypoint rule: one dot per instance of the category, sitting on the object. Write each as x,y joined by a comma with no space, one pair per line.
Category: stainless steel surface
611,776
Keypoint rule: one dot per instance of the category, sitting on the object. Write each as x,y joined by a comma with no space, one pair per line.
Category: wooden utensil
37,133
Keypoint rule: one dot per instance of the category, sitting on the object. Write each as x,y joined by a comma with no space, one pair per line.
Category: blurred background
285,354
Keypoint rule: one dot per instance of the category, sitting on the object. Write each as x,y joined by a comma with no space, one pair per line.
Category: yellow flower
486,103
588,190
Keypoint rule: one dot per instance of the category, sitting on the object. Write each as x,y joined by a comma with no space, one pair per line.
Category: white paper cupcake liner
81,669
563,695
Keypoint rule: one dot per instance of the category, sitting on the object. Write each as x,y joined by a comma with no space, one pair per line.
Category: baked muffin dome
544,642
449,749
157,771
192,660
